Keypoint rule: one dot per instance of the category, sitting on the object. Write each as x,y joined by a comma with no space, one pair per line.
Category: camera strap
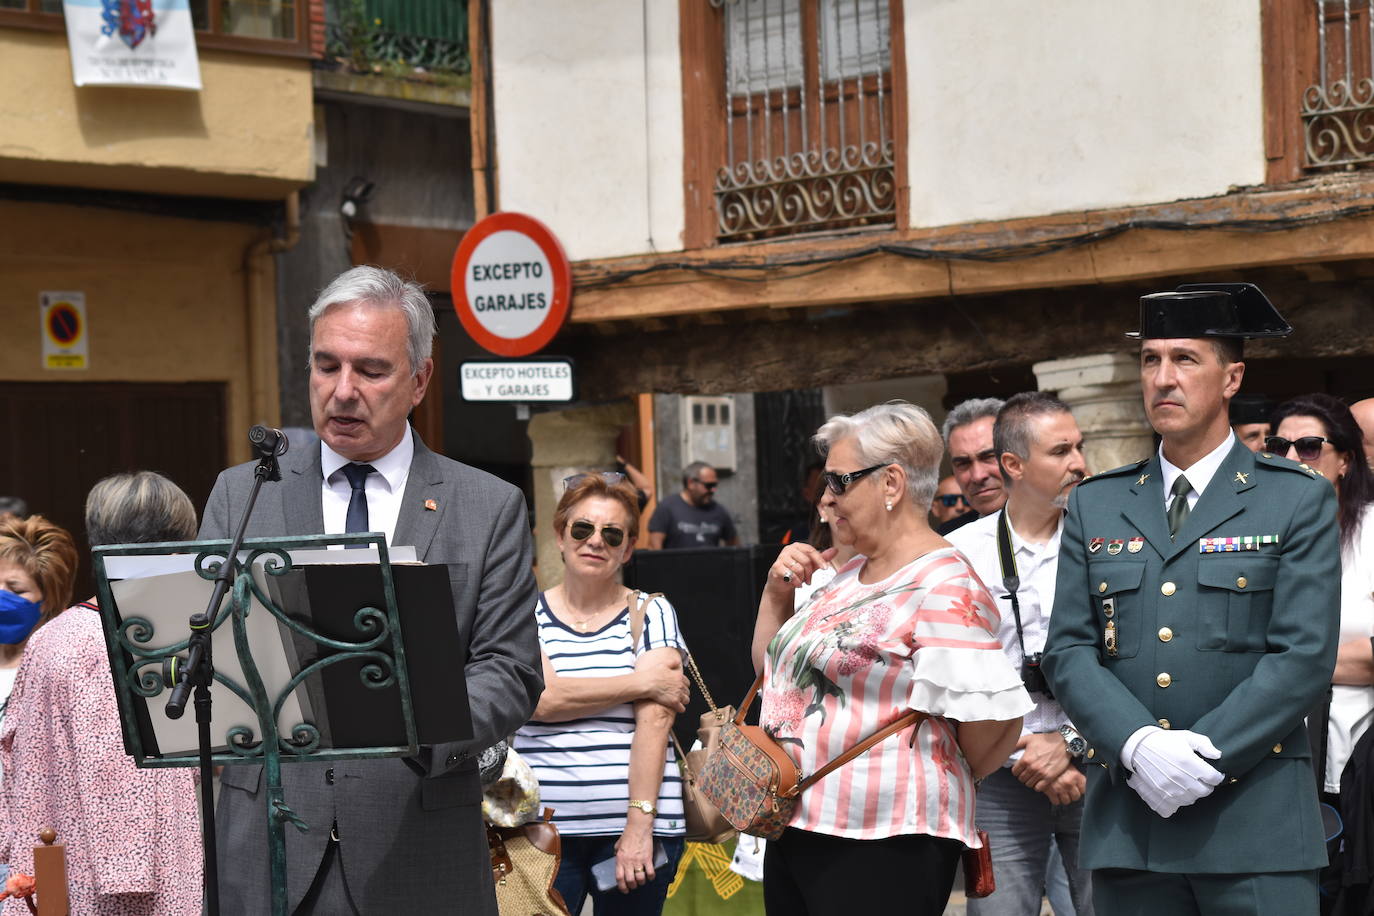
1006,557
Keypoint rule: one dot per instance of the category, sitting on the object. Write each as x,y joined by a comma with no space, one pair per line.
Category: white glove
1168,772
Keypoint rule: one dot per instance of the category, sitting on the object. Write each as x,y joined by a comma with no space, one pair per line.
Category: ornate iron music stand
137,662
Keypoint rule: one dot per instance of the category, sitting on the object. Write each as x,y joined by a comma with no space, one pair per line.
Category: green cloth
705,885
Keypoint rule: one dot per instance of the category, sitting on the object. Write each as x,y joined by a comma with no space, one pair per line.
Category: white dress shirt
1036,567
1199,475
384,489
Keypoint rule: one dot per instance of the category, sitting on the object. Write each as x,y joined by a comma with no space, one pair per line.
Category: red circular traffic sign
512,284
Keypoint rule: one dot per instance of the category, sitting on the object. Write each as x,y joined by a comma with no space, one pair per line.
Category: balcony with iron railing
408,39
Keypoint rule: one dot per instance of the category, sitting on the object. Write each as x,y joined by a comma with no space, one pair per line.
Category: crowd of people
1150,686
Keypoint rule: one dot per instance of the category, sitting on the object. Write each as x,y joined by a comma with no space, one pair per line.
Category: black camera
1033,677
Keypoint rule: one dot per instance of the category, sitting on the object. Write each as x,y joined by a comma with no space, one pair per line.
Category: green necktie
1178,509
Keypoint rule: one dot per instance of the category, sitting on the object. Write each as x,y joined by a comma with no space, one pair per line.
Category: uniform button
1165,634
1102,587
1242,582
1167,589
1233,780
1163,679
1092,752
1278,749
329,776
1164,723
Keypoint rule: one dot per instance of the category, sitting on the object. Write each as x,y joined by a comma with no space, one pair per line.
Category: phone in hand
604,871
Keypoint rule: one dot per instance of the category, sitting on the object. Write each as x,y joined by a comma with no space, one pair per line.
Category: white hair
378,286
893,433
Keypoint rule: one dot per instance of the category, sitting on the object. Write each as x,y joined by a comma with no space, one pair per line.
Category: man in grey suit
393,835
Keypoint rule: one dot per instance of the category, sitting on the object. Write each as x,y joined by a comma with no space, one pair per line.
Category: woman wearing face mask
132,835
598,741
37,567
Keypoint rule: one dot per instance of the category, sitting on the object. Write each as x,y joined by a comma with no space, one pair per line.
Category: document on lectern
165,590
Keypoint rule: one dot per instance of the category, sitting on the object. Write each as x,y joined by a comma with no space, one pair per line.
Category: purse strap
915,716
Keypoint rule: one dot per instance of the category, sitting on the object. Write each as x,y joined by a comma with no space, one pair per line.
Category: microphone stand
198,671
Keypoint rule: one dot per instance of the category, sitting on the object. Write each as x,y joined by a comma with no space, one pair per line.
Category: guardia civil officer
1195,623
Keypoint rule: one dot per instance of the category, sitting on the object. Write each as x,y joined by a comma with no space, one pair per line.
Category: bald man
1364,415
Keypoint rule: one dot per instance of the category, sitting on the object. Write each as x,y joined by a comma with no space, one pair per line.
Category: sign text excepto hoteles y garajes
516,381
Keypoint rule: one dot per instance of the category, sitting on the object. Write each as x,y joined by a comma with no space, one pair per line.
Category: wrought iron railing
432,34
808,117
1338,109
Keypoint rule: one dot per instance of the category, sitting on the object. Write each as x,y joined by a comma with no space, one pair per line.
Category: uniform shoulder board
1272,461
1122,471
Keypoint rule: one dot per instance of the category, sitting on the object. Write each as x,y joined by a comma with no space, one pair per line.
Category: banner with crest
150,43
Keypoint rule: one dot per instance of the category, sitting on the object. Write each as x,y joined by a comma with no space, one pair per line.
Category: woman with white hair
904,625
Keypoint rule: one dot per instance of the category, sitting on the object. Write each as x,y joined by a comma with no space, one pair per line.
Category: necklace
584,624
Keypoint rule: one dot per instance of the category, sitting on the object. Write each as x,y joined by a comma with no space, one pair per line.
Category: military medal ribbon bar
1228,545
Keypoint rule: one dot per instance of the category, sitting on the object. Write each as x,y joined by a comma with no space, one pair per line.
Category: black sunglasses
950,500
838,483
610,477
1309,447
613,535
710,485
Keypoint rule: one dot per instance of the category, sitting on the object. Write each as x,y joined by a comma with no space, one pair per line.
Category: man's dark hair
1229,349
693,472
1011,431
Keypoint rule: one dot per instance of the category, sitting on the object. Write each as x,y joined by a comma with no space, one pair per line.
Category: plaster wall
1019,108
588,111
248,133
166,299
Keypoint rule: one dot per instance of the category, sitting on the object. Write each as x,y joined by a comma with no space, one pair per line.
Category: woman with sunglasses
598,741
905,625
1320,431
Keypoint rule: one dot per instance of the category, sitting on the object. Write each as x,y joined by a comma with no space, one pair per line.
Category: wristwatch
1073,739
647,806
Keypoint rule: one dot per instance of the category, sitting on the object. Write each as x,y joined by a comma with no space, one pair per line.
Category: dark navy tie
356,520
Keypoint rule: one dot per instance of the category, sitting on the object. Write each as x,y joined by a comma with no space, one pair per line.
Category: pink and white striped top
859,656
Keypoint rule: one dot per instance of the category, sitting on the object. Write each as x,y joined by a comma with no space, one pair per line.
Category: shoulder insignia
1242,477
1272,462
1123,471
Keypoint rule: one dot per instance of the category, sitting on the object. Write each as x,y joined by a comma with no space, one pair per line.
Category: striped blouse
859,656
583,764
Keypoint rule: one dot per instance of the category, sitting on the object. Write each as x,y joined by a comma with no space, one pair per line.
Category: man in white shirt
1036,798
1195,624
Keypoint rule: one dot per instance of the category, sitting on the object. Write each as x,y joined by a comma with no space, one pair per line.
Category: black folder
349,713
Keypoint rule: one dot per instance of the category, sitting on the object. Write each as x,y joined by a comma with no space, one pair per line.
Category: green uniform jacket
1237,645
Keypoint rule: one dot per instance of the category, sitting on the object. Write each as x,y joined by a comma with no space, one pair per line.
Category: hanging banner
148,43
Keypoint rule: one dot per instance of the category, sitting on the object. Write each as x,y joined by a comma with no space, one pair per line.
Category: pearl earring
889,506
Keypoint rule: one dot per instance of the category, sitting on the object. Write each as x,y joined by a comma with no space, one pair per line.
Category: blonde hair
893,433
47,553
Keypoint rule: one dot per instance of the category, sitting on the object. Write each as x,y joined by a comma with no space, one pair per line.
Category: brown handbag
978,877
705,824
524,864
753,781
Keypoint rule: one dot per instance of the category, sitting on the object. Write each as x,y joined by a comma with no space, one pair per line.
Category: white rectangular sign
132,43
517,382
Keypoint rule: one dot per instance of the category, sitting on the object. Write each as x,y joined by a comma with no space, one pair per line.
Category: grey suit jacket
410,831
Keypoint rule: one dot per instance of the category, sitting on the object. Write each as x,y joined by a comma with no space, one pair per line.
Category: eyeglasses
838,483
708,484
613,535
611,477
950,500
1309,447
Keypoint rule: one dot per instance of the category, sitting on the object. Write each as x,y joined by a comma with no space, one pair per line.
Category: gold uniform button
1102,587
1168,588
1278,749
1165,634
1092,752
1242,582
1233,780
1163,679
1164,723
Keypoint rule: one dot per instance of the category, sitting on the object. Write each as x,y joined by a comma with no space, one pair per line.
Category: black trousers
814,874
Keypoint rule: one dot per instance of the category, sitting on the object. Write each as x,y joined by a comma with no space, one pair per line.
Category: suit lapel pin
1140,482
1242,478
1134,545
431,505
1095,544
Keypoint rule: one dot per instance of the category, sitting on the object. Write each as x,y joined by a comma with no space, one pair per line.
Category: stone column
565,442
1104,392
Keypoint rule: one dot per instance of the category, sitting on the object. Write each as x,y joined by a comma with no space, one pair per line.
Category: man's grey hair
693,471
379,286
969,411
138,508
893,433
1012,431
13,505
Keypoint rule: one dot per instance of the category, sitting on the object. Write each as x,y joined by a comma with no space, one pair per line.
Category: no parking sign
63,328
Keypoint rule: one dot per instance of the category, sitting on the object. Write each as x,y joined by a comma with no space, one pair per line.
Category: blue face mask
18,617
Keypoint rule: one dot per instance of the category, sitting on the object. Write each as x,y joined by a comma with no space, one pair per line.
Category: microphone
268,442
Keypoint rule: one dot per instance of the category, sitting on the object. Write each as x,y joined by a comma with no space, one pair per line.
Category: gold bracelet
646,806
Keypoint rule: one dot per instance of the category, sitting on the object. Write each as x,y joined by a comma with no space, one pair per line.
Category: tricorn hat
1250,408
1210,310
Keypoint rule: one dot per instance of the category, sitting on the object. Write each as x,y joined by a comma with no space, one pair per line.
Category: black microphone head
268,441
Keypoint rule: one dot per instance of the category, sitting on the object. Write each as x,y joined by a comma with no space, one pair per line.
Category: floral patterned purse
753,781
